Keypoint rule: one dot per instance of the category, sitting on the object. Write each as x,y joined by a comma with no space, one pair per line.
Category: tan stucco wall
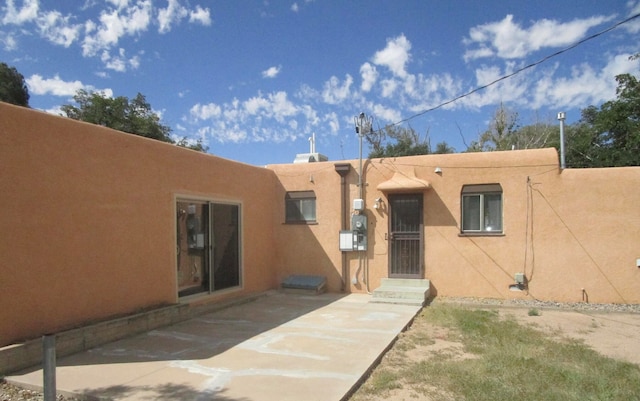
566,230
89,224
89,221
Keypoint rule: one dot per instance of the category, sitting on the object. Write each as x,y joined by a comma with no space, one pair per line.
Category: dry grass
457,353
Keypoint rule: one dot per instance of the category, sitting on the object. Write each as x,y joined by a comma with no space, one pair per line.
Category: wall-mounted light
438,170
378,203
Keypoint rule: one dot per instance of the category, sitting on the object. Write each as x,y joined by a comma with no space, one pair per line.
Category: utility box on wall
359,228
356,238
346,240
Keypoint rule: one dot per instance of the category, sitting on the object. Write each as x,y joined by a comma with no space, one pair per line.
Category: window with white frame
482,208
300,207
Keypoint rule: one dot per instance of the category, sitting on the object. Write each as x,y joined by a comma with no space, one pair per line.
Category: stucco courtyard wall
89,221
566,230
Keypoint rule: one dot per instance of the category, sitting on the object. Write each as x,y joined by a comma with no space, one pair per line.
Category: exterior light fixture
378,203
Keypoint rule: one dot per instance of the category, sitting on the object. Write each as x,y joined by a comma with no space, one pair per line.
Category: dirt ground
616,335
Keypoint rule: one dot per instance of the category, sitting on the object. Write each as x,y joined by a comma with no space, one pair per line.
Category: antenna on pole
363,127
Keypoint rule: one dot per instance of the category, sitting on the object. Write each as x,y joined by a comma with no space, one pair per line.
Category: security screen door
406,236
208,246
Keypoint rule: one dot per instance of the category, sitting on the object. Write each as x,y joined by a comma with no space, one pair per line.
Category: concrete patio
278,347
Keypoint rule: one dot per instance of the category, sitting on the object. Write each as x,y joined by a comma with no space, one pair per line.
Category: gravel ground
9,392
528,303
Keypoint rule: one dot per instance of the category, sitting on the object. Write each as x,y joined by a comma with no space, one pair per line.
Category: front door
406,236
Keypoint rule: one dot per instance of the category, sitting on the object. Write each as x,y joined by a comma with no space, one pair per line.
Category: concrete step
398,301
402,291
405,282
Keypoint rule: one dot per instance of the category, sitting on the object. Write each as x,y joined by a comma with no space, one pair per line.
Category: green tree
582,143
197,145
13,88
443,148
608,136
134,117
395,141
618,122
536,136
501,134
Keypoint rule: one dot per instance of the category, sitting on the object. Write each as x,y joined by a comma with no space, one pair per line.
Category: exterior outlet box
358,204
520,278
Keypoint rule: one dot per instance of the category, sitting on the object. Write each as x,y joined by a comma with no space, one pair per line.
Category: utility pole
363,127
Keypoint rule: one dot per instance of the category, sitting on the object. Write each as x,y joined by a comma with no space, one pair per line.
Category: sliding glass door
207,246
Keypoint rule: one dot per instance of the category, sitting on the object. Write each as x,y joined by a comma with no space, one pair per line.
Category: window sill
481,234
300,223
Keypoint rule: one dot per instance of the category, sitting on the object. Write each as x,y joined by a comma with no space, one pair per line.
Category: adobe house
98,223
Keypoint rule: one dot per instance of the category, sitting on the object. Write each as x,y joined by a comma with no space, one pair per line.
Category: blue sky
255,79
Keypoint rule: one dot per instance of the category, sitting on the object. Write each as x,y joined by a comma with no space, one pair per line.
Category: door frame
209,251
420,236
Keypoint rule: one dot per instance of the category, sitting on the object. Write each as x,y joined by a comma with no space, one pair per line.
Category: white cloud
205,111
634,8
57,87
388,87
57,29
119,62
295,7
514,89
116,20
269,117
172,14
28,12
334,92
507,39
395,56
200,15
175,12
585,86
254,105
119,3
332,120
386,114
271,72
8,41
114,25
369,76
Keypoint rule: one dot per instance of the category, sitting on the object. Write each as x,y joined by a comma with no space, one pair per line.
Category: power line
544,59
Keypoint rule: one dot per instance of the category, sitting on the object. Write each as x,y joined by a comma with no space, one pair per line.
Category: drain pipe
343,170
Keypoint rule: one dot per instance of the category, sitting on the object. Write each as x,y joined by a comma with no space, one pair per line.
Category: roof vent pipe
561,116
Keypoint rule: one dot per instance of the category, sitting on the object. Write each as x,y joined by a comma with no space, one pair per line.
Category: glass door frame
207,257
